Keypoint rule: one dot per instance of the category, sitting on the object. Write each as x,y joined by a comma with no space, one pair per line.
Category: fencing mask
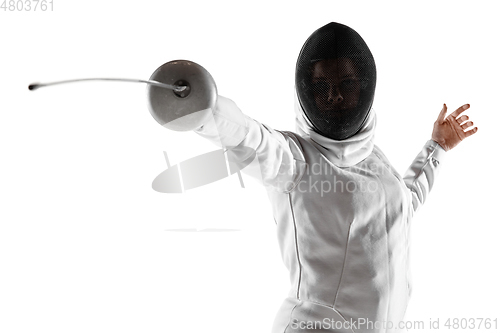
335,80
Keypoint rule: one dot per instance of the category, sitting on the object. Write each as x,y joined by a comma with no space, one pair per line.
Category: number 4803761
27,5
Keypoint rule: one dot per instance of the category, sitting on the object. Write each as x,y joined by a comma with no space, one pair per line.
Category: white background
83,239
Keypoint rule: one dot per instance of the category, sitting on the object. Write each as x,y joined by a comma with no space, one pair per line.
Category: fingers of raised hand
467,125
458,111
462,119
469,133
442,114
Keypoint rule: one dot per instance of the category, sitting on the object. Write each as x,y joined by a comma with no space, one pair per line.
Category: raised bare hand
450,131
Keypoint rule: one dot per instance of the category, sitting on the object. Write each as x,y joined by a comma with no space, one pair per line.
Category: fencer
342,212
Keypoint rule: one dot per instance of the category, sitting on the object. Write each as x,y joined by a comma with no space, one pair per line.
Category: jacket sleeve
279,163
420,176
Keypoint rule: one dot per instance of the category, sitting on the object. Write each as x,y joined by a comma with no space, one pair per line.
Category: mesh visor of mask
335,80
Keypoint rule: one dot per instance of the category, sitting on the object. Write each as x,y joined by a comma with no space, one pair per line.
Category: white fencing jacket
343,219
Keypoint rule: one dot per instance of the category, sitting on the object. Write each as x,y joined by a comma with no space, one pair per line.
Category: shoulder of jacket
296,144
